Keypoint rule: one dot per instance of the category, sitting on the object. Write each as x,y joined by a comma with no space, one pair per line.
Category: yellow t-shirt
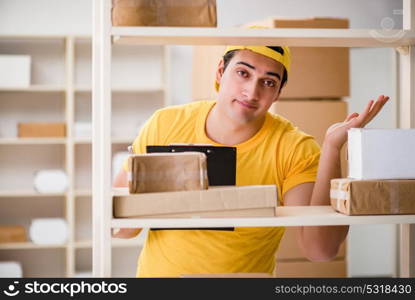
277,154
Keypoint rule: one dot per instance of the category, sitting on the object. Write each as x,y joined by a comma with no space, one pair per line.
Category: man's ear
219,71
277,96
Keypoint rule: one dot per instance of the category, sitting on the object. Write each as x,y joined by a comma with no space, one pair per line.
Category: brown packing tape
163,172
394,198
339,194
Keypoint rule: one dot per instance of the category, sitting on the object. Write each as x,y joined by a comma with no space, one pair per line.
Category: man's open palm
336,135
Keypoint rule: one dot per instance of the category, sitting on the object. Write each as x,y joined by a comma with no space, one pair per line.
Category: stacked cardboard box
312,101
12,234
176,185
195,13
292,263
232,201
381,173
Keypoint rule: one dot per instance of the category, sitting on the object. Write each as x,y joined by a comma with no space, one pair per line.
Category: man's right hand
121,180
125,233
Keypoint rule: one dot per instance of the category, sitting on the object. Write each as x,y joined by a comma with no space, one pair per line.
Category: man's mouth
246,104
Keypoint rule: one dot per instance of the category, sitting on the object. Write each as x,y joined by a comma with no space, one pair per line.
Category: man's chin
242,119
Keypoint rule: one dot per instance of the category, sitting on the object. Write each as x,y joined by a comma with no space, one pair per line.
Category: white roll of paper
46,231
83,275
10,269
50,181
83,129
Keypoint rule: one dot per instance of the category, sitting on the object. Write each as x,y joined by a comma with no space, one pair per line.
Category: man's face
248,86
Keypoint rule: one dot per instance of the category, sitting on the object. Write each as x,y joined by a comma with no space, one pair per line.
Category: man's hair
230,54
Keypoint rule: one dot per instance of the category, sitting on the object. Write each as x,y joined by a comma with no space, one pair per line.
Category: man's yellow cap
269,51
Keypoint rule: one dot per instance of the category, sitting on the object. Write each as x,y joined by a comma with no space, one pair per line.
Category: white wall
46,16
372,73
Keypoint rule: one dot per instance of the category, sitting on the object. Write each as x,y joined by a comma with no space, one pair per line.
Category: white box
381,153
14,71
83,129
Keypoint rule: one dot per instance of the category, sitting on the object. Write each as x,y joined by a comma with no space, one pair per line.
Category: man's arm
321,243
318,243
123,233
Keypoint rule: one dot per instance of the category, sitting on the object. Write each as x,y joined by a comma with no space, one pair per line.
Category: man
270,150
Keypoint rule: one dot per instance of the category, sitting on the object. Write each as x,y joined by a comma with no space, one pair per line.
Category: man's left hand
336,135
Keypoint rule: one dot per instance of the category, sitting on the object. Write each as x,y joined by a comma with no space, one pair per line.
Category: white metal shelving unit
104,36
72,88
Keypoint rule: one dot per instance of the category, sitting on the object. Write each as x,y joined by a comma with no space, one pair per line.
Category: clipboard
221,168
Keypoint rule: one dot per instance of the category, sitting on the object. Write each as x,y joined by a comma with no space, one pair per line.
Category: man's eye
242,73
269,83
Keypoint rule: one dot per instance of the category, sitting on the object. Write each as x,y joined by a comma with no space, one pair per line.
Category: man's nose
251,90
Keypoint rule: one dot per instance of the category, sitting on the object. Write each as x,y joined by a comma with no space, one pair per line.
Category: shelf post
69,153
101,140
407,120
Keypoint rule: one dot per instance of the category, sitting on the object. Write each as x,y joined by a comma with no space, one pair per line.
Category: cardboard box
166,172
311,269
205,60
26,130
381,153
316,72
372,197
314,118
242,201
15,71
194,13
12,234
228,275
289,248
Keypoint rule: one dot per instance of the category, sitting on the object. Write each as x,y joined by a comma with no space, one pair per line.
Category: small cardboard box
289,249
381,154
303,269
26,130
194,13
12,234
314,117
372,197
14,71
233,201
166,172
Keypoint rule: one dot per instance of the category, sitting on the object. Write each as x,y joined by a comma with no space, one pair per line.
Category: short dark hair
230,54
